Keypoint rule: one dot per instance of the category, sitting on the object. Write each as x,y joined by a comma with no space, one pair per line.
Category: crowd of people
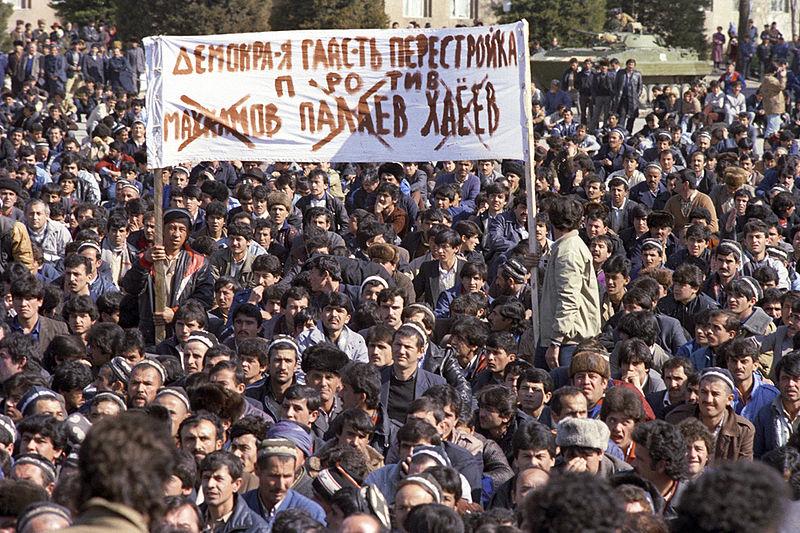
358,347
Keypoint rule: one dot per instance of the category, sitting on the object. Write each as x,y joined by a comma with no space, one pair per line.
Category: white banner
337,95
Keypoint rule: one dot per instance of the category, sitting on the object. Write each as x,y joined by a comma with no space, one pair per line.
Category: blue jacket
768,435
242,519
469,189
762,395
504,233
702,358
293,500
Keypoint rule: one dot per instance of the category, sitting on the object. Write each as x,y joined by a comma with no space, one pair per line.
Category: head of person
733,497
301,404
220,478
414,491
146,378
590,372
323,364
533,446
245,435
276,469
582,441
716,393
497,406
200,434
699,446
126,460
176,402
621,411
660,451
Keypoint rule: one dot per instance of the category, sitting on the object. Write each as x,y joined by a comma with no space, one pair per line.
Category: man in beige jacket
772,88
570,304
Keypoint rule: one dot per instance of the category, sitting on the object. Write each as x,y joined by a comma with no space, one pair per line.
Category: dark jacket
427,285
735,439
424,381
629,95
192,280
686,314
332,204
443,362
656,401
242,519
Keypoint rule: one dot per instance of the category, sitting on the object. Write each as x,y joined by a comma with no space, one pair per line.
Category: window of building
24,4
779,5
464,9
416,8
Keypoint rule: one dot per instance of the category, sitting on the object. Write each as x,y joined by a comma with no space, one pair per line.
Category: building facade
31,11
763,12
441,13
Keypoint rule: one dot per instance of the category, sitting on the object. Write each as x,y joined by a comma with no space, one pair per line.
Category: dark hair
574,502
80,305
635,351
433,517
688,274
304,392
19,347
427,404
473,331
192,311
27,287
499,397
789,363
536,375
71,376
617,264
416,430
249,425
622,400
664,442
216,460
47,426
565,213
741,496
446,395
365,379
238,229
562,392
639,325
251,311
126,459
675,362
76,260
106,338
201,416
357,419
253,347
184,468
448,478
533,435
737,349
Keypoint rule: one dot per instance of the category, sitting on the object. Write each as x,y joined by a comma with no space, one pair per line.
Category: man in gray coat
628,87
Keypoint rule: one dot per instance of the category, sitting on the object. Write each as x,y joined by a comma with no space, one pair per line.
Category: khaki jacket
774,101
570,304
101,516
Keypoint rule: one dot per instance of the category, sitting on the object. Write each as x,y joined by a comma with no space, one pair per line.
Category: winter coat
774,100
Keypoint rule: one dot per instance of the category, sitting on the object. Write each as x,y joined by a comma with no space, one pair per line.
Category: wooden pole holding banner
160,267
530,185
